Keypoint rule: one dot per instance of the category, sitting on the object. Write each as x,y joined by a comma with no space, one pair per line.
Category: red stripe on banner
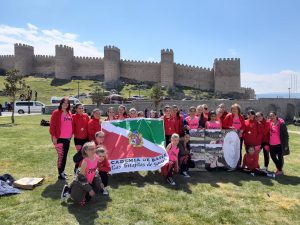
117,147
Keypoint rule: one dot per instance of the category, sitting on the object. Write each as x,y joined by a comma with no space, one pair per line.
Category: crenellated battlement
64,47
7,56
224,77
111,47
44,56
185,66
21,45
138,61
166,51
226,59
88,58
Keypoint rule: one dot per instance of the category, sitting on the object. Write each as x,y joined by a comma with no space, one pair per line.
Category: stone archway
290,112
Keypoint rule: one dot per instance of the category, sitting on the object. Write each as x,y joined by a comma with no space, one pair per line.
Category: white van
56,100
21,107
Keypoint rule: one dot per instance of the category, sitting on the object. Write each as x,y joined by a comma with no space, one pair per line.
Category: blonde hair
175,136
101,150
235,105
86,146
99,133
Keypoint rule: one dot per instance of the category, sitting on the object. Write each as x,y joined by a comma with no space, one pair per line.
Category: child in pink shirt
172,166
213,123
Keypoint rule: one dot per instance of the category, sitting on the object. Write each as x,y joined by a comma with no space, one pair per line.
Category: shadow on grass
54,190
214,179
59,82
89,213
8,125
83,214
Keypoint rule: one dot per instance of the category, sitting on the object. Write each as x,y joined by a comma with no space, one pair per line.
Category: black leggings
266,154
62,154
78,142
184,167
104,177
241,146
257,172
277,156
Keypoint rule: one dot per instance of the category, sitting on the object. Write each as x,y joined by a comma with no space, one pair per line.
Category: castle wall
111,63
285,108
7,62
63,62
43,64
24,55
167,67
223,78
195,77
227,75
87,66
143,71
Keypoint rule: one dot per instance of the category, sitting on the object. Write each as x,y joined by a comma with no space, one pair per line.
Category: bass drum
231,149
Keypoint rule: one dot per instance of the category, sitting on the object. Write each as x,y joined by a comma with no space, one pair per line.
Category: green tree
11,82
97,95
156,95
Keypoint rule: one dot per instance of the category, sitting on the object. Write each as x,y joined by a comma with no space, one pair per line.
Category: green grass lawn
142,198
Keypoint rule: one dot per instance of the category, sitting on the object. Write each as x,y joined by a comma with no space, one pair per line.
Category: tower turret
167,67
111,63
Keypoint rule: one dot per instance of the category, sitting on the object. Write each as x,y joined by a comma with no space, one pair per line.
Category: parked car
21,107
56,100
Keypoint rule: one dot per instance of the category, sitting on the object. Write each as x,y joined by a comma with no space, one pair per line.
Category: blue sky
264,34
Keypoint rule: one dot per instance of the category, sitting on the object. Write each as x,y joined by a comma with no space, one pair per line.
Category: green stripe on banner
151,129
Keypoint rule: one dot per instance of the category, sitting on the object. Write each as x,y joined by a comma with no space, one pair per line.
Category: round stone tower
167,68
24,58
111,63
63,62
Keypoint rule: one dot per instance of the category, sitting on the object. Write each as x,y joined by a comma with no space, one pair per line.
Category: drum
231,149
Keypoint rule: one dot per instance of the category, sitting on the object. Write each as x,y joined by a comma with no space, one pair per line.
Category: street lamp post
289,93
78,89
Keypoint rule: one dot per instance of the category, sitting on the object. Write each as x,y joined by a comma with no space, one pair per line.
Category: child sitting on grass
251,165
87,182
103,168
172,166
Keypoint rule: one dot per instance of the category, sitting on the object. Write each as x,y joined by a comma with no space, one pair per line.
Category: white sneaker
105,192
271,175
265,169
185,174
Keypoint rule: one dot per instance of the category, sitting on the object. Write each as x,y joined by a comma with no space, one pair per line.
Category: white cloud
233,52
44,41
267,83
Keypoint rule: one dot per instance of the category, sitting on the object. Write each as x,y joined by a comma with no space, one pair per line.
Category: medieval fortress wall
223,77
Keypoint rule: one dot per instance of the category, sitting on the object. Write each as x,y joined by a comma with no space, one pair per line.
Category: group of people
92,166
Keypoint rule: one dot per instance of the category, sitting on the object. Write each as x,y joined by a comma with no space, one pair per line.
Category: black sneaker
65,193
171,181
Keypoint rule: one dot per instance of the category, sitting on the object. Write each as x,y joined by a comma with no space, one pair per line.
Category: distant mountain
277,95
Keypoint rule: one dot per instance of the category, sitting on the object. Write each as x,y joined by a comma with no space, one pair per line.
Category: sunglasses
206,108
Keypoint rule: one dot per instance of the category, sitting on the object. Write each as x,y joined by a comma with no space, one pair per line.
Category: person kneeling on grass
103,168
185,161
172,166
87,182
251,165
